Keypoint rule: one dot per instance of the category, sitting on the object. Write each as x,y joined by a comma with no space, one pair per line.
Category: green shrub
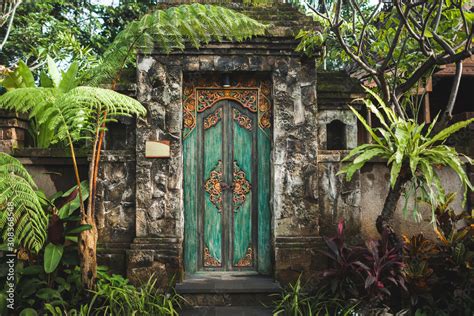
116,296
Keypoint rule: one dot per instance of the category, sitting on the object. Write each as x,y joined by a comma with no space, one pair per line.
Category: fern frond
171,29
20,203
82,109
23,100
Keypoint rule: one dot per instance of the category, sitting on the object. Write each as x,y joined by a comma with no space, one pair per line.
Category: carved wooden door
226,187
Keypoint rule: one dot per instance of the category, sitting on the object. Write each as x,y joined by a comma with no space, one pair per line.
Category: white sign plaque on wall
157,149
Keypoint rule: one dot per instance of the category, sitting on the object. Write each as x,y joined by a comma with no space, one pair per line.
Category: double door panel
227,191
228,185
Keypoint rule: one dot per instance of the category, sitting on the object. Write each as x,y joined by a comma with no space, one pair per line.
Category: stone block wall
51,169
338,198
115,208
13,130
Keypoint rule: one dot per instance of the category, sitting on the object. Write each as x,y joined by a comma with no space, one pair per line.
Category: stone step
227,311
226,289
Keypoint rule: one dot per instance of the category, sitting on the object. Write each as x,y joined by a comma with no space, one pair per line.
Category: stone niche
337,129
159,226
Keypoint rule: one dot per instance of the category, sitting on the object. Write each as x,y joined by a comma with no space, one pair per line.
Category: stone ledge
52,161
331,155
227,310
48,153
151,240
227,282
113,246
338,103
299,242
127,155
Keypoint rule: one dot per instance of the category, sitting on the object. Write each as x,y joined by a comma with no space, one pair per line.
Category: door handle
225,186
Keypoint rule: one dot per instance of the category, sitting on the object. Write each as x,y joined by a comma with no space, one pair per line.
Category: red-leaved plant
369,272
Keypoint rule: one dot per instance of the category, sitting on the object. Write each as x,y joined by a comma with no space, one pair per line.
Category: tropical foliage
21,205
65,111
116,296
370,272
76,30
47,273
41,133
412,150
430,277
440,273
172,29
296,300
69,114
394,44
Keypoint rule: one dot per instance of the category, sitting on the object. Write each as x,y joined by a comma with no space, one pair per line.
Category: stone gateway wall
159,191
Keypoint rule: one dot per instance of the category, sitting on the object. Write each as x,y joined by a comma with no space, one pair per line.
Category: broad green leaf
414,163
359,149
69,78
394,172
351,169
72,238
31,270
469,16
69,208
428,34
369,154
52,256
48,294
388,112
28,312
26,75
53,71
445,133
367,126
45,80
79,229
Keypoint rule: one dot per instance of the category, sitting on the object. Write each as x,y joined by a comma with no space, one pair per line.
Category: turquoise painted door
226,191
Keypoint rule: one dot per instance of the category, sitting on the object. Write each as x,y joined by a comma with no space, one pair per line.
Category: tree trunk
390,205
88,241
87,252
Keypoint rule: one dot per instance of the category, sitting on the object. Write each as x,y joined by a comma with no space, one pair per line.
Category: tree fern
70,115
172,29
18,199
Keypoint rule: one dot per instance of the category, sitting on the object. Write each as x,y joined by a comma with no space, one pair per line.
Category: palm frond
20,204
172,29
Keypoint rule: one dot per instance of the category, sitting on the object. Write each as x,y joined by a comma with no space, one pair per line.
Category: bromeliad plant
412,150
